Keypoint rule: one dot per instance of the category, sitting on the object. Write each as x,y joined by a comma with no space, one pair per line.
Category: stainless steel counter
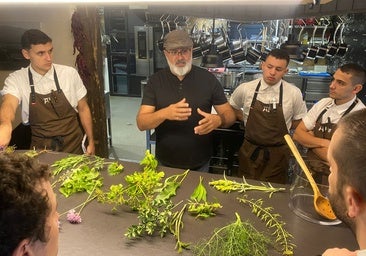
102,233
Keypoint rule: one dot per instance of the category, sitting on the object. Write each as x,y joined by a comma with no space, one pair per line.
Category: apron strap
281,95
255,94
321,114
56,80
349,109
31,83
257,90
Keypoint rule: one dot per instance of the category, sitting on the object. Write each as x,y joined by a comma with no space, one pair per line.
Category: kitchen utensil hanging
313,49
238,53
205,40
253,54
223,44
181,22
212,59
333,46
160,42
292,46
196,37
323,48
342,47
265,49
170,22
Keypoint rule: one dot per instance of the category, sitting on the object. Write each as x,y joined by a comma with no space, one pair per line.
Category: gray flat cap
177,39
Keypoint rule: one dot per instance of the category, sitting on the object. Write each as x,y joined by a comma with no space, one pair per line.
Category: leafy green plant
198,205
200,192
78,173
115,168
72,162
81,179
272,221
227,186
147,193
154,217
237,238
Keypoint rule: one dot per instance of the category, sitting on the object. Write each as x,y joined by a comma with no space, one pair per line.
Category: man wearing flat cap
177,103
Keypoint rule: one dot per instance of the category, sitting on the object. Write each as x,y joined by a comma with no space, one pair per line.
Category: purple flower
73,217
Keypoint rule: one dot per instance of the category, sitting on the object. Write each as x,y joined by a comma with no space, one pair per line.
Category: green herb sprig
152,218
115,168
272,221
198,205
78,173
176,224
80,180
227,186
237,238
147,193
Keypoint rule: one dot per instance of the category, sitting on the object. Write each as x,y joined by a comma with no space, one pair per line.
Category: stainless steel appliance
144,50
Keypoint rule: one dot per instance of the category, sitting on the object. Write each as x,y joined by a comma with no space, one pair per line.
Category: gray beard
180,71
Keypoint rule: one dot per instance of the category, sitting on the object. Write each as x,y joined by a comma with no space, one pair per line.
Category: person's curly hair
24,207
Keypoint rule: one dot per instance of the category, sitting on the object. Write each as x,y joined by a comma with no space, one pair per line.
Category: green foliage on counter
237,238
272,221
149,195
79,173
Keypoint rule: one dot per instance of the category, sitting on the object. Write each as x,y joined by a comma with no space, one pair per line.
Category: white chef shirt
334,112
17,84
294,107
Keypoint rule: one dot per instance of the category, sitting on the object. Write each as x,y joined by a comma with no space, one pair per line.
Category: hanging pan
238,53
253,54
196,37
222,45
323,48
160,42
333,46
313,50
342,47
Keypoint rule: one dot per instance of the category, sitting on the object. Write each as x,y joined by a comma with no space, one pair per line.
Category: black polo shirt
176,143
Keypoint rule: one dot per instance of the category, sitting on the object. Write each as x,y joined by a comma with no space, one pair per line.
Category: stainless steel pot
253,55
229,79
237,55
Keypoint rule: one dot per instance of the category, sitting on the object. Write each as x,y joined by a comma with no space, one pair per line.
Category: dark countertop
102,233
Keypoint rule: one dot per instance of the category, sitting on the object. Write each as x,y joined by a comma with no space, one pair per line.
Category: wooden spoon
321,203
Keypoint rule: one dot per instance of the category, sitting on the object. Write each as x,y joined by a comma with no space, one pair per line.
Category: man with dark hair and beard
177,102
347,179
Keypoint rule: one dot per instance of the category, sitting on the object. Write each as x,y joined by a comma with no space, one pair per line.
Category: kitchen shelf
121,52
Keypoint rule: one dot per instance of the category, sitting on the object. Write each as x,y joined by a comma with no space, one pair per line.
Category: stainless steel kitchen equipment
144,46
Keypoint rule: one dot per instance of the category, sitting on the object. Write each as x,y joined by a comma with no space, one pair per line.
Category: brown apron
54,122
264,154
317,166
